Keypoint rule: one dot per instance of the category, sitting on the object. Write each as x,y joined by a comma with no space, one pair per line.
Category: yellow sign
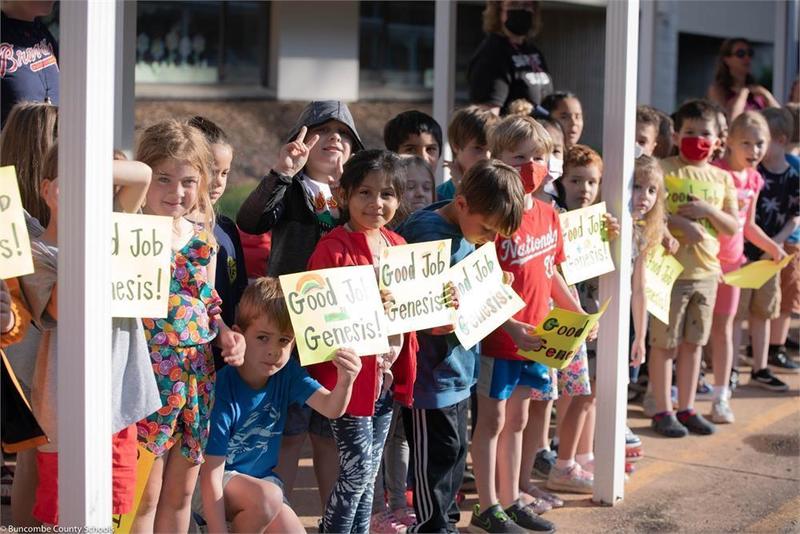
144,464
587,253
15,246
754,275
485,302
661,271
335,308
680,191
416,275
562,333
140,265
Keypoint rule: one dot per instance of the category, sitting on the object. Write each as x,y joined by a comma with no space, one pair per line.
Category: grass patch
230,202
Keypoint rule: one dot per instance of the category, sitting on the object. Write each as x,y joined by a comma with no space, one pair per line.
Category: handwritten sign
754,275
680,192
661,271
485,302
15,246
335,308
140,265
587,253
122,523
416,275
562,333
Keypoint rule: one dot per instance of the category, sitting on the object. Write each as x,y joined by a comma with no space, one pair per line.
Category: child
488,201
506,379
777,214
370,191
552,188
566,109
231,277
417,133
696,223
183,365
665,145
419,188
135,393
237,482
647,124
747,144
296,201
467,137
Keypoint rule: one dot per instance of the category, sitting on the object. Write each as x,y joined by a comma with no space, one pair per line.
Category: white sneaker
721,412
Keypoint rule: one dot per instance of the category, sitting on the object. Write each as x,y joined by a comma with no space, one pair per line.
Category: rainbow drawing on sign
310,282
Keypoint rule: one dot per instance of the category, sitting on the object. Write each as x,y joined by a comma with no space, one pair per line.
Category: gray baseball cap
320,111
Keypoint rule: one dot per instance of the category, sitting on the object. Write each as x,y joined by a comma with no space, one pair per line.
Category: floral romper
181,355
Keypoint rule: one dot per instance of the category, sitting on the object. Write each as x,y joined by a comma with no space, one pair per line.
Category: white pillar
785,52
444,72
619,110
125,76
86,133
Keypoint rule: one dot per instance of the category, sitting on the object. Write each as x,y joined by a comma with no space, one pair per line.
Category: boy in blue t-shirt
237,482
488,202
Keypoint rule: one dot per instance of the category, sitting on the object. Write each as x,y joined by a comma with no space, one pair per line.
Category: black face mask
519,21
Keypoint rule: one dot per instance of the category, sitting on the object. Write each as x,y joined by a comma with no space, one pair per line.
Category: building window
201,42
396,46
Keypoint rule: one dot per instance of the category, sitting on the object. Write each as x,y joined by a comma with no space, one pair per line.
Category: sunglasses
742,53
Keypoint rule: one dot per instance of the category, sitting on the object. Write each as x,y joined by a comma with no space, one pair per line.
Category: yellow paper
144,464
335,308
15,246
587,253
680,190
485,302
754,275
562,333
416,275
661,271
140,265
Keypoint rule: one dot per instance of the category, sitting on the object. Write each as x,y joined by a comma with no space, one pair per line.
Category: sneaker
733,383
385,523
696,423
554,500
588,466
493,519
721,412
629,469
540,506
573,479
649,405
765,379
405,516
667,425
523,516
780,360
704,389
544,462
633,446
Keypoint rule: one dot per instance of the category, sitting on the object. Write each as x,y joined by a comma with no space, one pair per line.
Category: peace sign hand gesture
293,155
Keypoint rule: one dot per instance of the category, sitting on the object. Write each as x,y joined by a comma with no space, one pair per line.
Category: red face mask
532,175
695,148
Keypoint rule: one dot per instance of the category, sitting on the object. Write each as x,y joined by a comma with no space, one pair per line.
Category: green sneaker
493,519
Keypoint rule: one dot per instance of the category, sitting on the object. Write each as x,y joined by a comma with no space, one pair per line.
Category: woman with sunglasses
734,88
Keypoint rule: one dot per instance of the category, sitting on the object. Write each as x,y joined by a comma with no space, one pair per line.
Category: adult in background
734,88
507,65
28,55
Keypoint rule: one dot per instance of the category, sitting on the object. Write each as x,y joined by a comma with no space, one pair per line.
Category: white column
86,134
444,71
785,48
619,110
125,76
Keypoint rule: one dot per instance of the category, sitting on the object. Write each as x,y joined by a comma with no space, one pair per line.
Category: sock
584,459
721,392
662,415
683,415
564,464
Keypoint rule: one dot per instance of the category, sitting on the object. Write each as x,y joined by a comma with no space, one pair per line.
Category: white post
619,110
785,53
444,63
125,76
86,133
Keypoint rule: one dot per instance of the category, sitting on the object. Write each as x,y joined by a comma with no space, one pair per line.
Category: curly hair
647,171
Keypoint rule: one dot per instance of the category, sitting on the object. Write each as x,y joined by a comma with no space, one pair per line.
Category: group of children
227,424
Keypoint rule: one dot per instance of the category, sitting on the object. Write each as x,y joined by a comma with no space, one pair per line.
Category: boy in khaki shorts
702,203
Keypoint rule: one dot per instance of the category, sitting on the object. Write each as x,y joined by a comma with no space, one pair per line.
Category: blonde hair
493,24
515,129
172,139
647,170
471,122
264,297
28,134
520,106
50,164
748,120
